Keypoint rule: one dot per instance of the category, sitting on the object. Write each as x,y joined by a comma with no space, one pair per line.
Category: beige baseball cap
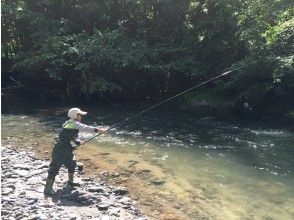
73,113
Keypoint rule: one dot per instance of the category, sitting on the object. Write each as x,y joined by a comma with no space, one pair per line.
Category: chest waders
62,154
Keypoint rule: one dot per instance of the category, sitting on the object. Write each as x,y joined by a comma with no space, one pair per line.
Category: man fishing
67,141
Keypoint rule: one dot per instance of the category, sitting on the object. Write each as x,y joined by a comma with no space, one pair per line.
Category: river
213,168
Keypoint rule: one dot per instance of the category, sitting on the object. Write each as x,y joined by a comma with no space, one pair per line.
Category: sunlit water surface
230,171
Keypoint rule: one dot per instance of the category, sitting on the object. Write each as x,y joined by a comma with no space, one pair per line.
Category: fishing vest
68,133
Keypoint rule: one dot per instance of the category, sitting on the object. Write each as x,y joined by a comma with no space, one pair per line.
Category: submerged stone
158,181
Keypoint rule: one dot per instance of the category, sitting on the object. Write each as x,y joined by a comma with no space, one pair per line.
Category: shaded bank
274,109
268,105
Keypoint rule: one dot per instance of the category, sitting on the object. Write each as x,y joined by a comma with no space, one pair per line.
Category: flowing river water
204,167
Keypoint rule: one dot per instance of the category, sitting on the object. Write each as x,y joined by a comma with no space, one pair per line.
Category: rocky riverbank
23,177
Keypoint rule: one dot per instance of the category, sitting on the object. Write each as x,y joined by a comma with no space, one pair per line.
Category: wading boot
48,187
71,180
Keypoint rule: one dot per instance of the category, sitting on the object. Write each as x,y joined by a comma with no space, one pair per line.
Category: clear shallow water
224,169
244,171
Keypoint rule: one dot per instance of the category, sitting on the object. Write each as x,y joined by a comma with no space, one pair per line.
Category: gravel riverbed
23,178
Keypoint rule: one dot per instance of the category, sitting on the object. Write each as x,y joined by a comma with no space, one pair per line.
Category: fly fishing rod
170,98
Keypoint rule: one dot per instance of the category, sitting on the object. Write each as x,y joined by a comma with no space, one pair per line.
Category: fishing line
17,82
170,98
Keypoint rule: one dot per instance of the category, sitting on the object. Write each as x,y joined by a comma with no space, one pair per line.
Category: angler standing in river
62,153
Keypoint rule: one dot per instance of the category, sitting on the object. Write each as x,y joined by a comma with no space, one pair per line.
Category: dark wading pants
61,155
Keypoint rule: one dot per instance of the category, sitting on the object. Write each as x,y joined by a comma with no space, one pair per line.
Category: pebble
121,191
72,216
158,181
115,174
4,212
102,206
23,193
80,166
96,189
22,167
87,179
6,191
115,212
125,200
104,173
40,216
43,166
31,202
23,179
22,173
33,207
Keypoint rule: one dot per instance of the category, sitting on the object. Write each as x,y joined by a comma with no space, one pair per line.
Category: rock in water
158,182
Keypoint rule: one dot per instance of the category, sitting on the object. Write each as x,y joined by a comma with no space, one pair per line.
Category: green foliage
55,57
280,38
135,49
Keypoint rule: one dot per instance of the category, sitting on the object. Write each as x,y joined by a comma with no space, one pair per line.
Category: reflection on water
225,170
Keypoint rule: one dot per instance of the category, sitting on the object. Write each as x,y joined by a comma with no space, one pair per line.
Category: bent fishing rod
168,99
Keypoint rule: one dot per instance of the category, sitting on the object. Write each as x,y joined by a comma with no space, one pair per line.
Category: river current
227,169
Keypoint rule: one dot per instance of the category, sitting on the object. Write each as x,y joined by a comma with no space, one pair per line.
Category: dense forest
152,49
